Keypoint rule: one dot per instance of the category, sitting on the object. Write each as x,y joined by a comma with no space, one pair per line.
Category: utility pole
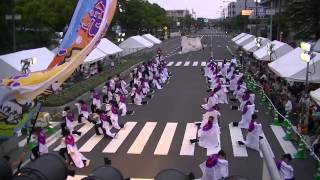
256,18
279,23
271,6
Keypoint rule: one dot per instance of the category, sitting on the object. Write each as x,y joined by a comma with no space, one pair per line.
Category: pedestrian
285,169
41,147
253,136
215,167
69,121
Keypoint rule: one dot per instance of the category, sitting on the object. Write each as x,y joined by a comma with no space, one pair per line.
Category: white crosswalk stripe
79,177
195,63
142,139
113,146
170,63
178,63
166,139
186,63
187,149
203,63
287,146
236,135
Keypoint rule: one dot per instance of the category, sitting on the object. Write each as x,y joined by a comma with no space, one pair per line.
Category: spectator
266,87
287,104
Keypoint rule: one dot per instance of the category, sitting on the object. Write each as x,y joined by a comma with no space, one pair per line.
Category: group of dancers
222,80
105,108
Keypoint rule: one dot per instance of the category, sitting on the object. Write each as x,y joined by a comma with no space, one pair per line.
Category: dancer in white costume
253,136
247,116
285,169
216,167
209,135
78,159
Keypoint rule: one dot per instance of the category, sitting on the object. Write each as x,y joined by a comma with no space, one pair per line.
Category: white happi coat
212,101
217,172
69,124
286,171
123,108
246,118
252,139
205,117
210,139
222,95
76,156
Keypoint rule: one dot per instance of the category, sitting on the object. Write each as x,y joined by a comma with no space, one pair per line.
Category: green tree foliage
303,18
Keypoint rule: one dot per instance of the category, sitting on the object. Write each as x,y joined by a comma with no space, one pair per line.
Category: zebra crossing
79,177
165,139
190,63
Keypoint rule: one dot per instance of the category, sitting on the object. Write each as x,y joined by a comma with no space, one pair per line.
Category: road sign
270,12
246,12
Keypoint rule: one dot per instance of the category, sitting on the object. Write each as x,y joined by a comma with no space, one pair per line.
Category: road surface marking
170,63
267,144
179,63
84,129
115,143
203,63
286,146
166,139
187,63
214,150
236,135
142,139
187,149
91,143
76,177
195,63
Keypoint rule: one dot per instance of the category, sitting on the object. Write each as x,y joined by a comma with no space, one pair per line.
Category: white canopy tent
10,64
252,46
94,56
151,38
238,37
279,49
134,44
293,68
315,95
108,47
245,40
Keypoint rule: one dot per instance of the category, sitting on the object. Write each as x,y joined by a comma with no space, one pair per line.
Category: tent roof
280,49
291,67
251,47
107,47
238,37
151,38
135,42
95,55
244,40
315,95
43,55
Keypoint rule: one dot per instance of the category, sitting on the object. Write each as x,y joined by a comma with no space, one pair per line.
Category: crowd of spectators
289,98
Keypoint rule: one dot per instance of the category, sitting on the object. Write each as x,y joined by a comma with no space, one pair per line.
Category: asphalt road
178,104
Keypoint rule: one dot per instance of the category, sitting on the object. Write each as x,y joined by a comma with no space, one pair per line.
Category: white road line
115,143
76,177
187,149
267,144
203,63
142,139
166,139
195,63
170,63
236,135
214,150
179,63
53,138
187,63
286,146
91,143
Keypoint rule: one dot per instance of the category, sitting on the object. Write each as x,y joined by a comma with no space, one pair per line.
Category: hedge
71,93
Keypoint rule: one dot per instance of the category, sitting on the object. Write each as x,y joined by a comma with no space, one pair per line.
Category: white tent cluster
285,62
10,64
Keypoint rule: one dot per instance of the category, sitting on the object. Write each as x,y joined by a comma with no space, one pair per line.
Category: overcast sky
203,8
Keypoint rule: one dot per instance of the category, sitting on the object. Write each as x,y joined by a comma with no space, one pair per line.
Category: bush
78,89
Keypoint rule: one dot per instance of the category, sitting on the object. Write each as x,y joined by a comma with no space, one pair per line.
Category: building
234,8
177,14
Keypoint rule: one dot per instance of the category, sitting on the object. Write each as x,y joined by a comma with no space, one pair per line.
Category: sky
203,8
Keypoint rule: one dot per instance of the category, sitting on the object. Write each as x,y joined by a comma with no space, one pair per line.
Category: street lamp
270,50
26,63
14,18
121,37
258,42
307,55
